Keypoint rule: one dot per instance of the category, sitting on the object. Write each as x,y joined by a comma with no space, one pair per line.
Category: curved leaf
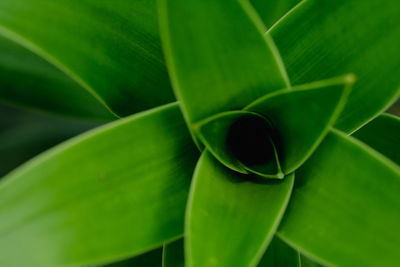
228,213
383,135
280,254
241,141
271,11
28,80
110,48
24,134
344,207
322,39
109,194
217,55
302,117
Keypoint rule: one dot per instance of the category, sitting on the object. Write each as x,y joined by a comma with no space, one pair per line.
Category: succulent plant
244,133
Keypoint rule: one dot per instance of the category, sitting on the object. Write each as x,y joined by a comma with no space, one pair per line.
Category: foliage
275,153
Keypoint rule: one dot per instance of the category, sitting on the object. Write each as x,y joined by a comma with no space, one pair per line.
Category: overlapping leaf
346,195
271,11
218,57
111,193
279,254
111,49
226,210
383,135
173,254
322,39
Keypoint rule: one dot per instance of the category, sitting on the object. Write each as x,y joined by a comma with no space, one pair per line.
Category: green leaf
28,80
173,255
230,220
152,259
344,207
110,48
382,134
323,39
306,262
280,254
217,55
242,141
109,194
271,11
302,117
24,134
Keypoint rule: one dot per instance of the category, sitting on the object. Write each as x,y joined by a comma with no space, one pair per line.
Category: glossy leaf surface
346,195
173,255
217,55
301,117
28,80
241,141
226,211
279,254
383,135
127,198
111,48
323,39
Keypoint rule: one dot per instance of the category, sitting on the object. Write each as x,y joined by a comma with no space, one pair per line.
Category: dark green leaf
24,134
280,254
110,48
323,39
149,259
271,11
344,209
28,80
241,141
383,135
173,255
230,220
302,117
306,262
109,194
217,55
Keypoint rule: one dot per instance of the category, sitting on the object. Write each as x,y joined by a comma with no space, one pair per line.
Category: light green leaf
24,134
383,135
28,80
280,254
344,209
217,55
230,219
109,194
322,39
149,259
242,141
302,117
173,255
110,48
271,11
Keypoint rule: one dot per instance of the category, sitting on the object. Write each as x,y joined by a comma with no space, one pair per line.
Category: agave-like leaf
321,39
344,207
28,80
217,55
110,48
24,134
301,117
149,259
115,192
383,135
228,214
